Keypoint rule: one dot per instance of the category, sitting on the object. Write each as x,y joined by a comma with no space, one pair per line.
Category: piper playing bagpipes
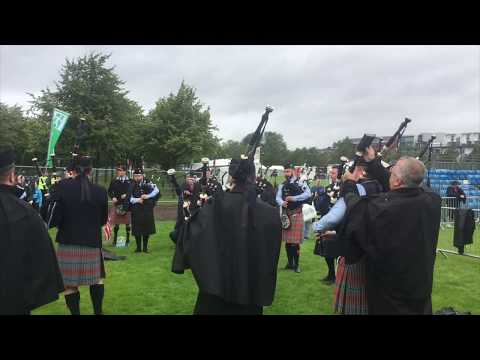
188,197
232,244
291,195
209,185
143,196
79,210
120,212
332,191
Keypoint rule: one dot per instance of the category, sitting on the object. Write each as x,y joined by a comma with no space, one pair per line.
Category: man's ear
12,178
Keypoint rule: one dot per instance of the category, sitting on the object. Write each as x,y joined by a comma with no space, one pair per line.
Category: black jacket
464,227
79,223
232,255
457,193
398,233
118,188
29,272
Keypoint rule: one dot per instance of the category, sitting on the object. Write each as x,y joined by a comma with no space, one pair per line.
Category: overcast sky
320,93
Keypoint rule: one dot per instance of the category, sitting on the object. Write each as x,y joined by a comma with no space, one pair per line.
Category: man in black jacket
188,196
232,246
455,191
29,272
79,211
398,233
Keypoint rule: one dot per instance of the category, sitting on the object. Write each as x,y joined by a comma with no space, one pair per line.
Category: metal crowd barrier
449,204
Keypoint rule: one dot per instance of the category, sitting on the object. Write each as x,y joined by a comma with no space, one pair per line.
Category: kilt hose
350,296
294,234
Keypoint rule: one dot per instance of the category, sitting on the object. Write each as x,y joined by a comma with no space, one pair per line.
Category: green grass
143,284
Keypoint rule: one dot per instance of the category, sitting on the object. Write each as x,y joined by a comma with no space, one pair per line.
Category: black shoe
146,251
298,270
138,250
288,267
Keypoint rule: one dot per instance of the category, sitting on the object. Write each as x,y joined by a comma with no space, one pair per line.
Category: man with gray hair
397,231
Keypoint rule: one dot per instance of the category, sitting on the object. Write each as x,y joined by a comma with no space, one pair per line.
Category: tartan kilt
80,265
116,219
350,296
294,234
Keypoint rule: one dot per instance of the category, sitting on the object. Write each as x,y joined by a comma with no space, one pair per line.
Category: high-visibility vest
42,183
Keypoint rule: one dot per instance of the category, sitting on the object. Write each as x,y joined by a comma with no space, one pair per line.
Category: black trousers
213,305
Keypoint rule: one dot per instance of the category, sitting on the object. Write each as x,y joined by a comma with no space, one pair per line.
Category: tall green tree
13,130
232,149
179,130
274,149
88,88
342,147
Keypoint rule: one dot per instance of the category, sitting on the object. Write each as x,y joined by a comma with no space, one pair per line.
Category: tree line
178,130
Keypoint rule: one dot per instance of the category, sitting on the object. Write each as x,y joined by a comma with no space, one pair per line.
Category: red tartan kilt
116,219
350,296
294,234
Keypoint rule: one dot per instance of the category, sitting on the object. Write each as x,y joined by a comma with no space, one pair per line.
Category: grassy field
143,284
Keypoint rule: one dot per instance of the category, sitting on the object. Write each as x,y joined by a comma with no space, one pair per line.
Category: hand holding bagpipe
365,149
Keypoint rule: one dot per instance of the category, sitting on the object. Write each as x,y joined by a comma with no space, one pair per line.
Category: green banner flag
59,120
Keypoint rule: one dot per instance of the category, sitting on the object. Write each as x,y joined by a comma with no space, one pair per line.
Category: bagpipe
54,178
258,134
173,180
428,146
367,140
43,185
396,137
305,174
261,182
274,175
208,184
186,196
290,189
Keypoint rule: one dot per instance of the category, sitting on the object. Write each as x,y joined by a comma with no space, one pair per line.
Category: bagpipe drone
367,140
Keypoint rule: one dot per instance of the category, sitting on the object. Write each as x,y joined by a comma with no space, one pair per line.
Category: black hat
7,159
241,169
360,161
122,167
138,171
190,173
84,162
70,166
288,165
138,167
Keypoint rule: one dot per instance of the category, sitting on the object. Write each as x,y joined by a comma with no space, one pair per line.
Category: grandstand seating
469,180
